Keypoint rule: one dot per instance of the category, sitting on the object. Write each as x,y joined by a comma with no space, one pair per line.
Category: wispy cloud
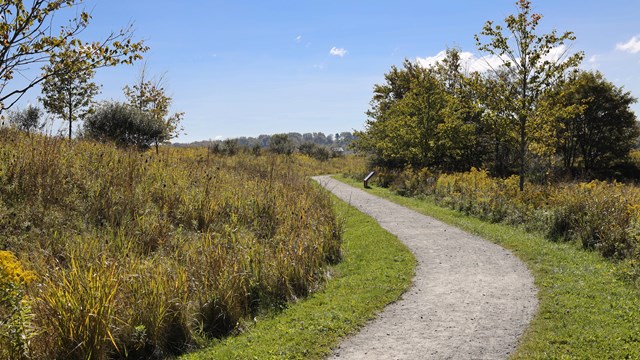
632,46
298,38
337,51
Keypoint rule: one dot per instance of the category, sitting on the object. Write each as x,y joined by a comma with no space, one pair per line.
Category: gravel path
471,299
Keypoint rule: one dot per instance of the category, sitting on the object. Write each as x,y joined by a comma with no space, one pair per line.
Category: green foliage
68,90
532,69
315,151
281,144
30,36
603,131
28,120
123,125
228,147
149,96
404,117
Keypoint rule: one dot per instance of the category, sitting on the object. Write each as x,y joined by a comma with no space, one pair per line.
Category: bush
317,152
281,144
124,125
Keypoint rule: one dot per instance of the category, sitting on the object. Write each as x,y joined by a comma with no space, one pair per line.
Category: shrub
317,152
281,144
124,125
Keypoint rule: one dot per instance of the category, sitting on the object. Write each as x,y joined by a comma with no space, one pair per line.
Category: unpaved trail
471,299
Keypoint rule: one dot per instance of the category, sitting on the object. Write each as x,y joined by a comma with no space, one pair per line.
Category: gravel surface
470,299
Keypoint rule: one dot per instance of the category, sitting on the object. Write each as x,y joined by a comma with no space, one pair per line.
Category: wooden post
367,178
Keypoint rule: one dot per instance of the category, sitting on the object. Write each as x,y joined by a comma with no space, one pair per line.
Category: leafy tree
404,117
124,125
281,144
604,129
459,139
533,66
29,36
150,97
69,91
28,119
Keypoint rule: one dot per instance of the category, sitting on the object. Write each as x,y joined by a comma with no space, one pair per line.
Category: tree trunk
70,120
523,149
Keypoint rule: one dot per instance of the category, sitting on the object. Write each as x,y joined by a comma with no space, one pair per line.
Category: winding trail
471,299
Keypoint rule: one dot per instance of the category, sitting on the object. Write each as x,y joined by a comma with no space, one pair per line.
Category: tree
27,120
535,63
460,143
150,97
28,37
403,120
281,144
124,125
69,91
603,131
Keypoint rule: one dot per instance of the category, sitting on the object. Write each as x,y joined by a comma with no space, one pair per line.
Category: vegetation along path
471,299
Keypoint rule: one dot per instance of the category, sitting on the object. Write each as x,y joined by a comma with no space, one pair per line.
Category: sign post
367,178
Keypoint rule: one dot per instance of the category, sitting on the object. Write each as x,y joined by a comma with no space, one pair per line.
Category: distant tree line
337,140
536,115
316,144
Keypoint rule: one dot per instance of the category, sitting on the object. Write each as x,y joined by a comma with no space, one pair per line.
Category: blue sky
244,68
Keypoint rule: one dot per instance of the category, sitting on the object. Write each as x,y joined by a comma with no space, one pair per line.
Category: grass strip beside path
376,269
586,311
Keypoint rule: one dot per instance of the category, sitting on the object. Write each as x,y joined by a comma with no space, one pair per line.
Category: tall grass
138,255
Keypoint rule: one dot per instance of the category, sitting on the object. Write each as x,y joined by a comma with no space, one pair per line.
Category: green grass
586,310
376,270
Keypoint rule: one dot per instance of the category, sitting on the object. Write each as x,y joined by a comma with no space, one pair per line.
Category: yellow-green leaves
29,37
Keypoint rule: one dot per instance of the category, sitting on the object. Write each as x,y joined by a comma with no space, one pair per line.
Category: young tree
535,62
28,37
149,96
27,120
69,91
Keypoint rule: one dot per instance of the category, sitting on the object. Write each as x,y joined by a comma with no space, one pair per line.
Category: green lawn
375,271
586,310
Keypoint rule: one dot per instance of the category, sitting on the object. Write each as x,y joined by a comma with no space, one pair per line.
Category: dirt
470,299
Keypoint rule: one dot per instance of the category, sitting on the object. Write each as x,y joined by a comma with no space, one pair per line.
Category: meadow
112,253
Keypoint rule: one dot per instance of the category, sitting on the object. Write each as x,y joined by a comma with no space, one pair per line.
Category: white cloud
298,38
594,61
632,46
472,63
337,51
